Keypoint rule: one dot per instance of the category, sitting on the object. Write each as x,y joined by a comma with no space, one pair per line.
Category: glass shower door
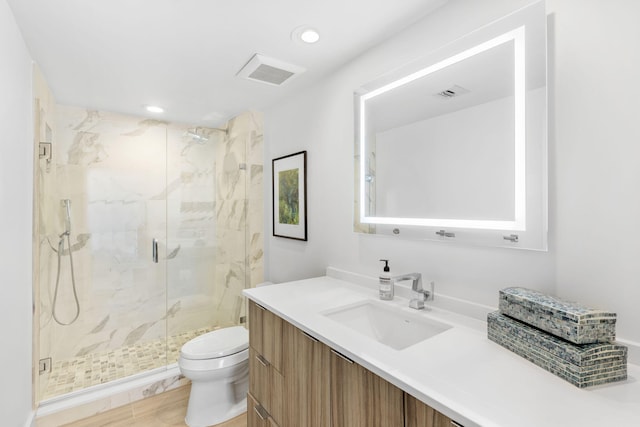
191,239
208,234
111,170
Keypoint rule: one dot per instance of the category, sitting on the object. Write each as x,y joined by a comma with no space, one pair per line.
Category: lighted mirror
453,146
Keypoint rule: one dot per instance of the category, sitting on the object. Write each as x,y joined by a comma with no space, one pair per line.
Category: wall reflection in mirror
456,141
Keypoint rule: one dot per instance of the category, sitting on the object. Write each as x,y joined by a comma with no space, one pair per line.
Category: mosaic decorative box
582,365
564,319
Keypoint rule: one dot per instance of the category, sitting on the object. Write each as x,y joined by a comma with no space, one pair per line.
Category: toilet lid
218,343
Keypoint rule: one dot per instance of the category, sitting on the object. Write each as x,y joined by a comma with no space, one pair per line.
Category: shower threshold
76,405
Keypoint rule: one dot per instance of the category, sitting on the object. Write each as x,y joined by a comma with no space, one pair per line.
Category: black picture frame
289,190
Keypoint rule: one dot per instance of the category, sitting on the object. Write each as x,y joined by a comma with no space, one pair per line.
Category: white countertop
458,372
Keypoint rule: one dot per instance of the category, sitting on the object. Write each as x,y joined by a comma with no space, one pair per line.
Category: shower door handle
154,250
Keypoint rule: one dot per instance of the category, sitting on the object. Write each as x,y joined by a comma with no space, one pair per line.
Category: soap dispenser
386,284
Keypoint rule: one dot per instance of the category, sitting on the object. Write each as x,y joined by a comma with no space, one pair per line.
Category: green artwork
288,203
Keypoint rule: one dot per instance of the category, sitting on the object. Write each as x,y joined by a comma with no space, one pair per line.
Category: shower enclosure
147,232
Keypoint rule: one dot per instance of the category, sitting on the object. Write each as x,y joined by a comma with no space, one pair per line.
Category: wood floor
164,410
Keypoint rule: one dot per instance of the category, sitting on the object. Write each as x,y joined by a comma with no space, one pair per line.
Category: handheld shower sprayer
66,204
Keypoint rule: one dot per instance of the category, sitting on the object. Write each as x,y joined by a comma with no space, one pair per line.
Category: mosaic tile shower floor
93,369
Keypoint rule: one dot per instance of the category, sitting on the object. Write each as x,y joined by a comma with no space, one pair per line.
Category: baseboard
31,419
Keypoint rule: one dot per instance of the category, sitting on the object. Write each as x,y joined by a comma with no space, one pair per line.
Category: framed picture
289,174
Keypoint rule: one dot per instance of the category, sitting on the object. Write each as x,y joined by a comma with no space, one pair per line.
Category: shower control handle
154,250
66,204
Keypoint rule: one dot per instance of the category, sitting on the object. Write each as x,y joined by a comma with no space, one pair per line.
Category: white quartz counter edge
458,372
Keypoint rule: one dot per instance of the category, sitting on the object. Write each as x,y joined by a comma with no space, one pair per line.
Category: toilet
217,363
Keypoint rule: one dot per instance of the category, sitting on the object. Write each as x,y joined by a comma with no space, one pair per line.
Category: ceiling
118,55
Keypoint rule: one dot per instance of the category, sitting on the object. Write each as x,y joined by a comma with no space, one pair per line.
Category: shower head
194,134
202,134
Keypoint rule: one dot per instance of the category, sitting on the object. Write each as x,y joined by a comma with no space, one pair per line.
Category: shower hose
73,280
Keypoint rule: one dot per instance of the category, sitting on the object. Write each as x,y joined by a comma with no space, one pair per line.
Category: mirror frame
512,28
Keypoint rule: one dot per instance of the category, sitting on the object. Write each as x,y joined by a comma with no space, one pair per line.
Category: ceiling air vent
452,92
268,70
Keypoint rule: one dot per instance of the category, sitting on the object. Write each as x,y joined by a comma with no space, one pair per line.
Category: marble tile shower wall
130,180
239,215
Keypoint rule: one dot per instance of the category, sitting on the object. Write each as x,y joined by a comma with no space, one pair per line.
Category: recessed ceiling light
310,36
154,109
305,34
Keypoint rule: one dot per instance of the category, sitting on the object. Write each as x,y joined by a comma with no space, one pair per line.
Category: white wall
16,184
595,155
320,120
594,174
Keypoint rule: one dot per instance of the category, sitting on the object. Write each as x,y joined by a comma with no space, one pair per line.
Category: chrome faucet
419,294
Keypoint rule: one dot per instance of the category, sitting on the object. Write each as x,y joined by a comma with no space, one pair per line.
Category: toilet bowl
217,363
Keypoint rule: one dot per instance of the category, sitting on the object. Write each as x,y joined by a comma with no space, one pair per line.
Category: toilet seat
216,344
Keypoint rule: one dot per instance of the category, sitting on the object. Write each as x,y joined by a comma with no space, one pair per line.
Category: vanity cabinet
257,416
265,334
306,379
417,414
266,383
297,381
288,374
359,398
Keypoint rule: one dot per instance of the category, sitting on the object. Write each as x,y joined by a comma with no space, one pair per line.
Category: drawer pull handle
455,424
341,356
264,362
314,339
260,307
260,411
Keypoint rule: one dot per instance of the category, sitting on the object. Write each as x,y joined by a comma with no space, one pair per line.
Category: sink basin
387,324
